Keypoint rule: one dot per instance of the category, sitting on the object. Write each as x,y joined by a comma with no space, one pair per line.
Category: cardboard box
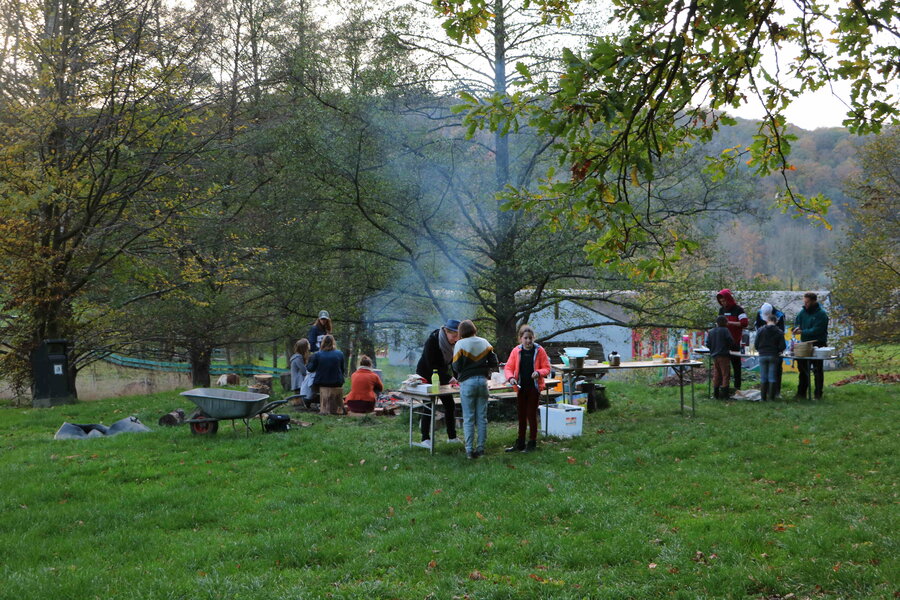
561,420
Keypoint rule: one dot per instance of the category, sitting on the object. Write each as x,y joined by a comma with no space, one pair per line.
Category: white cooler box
561,420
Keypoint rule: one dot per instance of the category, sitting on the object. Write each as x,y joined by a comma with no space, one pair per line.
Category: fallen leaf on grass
673,570
571,460
362,462
836,567
511,466
537,578
782,526
432,564
476,576
390,512
437,491
651,566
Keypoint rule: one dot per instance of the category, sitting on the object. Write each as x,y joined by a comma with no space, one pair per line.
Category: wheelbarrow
226,405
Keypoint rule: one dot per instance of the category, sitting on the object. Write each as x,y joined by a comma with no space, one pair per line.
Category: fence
183,367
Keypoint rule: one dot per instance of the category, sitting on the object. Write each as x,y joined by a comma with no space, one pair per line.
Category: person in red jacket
525,370
737,322
364,387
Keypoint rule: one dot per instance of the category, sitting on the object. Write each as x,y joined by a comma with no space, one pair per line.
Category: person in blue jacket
328,366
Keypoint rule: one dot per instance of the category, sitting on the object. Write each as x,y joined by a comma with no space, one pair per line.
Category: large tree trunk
200,361
506,278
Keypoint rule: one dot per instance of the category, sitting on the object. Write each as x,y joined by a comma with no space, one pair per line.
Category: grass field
747,500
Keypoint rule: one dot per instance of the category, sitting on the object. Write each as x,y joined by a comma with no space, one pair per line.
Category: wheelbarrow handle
268,407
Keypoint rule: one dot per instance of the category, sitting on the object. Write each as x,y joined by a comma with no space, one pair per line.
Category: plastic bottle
435,382
686,343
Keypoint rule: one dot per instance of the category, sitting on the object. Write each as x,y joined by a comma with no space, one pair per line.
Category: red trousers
527,408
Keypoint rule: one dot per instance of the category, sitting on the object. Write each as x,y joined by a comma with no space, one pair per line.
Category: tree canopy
666,82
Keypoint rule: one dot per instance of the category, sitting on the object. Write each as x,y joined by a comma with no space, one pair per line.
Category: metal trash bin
50,374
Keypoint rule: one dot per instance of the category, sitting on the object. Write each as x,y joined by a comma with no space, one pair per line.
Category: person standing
720,342
319,329
473,361
769,344
298,366
437,354
525,370
737,322
761,320
811,323
328,366
364,387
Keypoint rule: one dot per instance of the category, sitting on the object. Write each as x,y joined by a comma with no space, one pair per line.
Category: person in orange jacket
525,370
364,387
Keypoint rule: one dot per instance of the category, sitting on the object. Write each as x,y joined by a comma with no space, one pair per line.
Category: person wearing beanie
761,315
437,354
769,344
319,329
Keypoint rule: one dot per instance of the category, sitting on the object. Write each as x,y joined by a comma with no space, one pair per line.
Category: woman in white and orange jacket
525,370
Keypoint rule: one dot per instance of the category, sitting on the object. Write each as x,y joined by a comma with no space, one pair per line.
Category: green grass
747,500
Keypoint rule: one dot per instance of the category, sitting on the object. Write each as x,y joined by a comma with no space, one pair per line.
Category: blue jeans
473,395
768,368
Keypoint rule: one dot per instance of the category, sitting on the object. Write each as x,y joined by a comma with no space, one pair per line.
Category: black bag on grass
277,423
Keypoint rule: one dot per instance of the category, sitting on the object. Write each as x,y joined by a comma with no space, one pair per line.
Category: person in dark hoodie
720,342
762,316
737,322
437,355
770,344
811,324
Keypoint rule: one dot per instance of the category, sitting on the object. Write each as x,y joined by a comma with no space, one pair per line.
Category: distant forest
774,250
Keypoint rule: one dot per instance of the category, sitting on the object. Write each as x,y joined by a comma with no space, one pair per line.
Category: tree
626,102
866,267
97,99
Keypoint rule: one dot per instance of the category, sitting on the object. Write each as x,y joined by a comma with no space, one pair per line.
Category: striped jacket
474,356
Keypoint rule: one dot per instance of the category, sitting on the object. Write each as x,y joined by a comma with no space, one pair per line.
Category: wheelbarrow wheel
205,427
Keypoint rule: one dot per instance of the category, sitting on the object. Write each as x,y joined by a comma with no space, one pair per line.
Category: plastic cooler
561,420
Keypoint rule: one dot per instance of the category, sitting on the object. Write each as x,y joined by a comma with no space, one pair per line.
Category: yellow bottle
435,382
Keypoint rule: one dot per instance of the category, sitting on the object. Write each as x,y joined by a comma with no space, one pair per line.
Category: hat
323,314
765,310
452,325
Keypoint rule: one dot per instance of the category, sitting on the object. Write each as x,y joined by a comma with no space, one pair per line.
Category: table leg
433,400
680,371
693,406
410,421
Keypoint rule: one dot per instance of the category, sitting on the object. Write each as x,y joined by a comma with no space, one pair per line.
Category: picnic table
570,372
703,351
423,402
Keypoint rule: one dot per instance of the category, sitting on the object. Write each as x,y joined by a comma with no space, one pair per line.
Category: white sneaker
424,444
455,440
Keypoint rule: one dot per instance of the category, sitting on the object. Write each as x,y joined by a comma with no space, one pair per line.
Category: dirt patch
697,375
878,378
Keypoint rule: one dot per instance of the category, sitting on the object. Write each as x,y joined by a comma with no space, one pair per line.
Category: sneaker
478,453
424,444
455,440
471,455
